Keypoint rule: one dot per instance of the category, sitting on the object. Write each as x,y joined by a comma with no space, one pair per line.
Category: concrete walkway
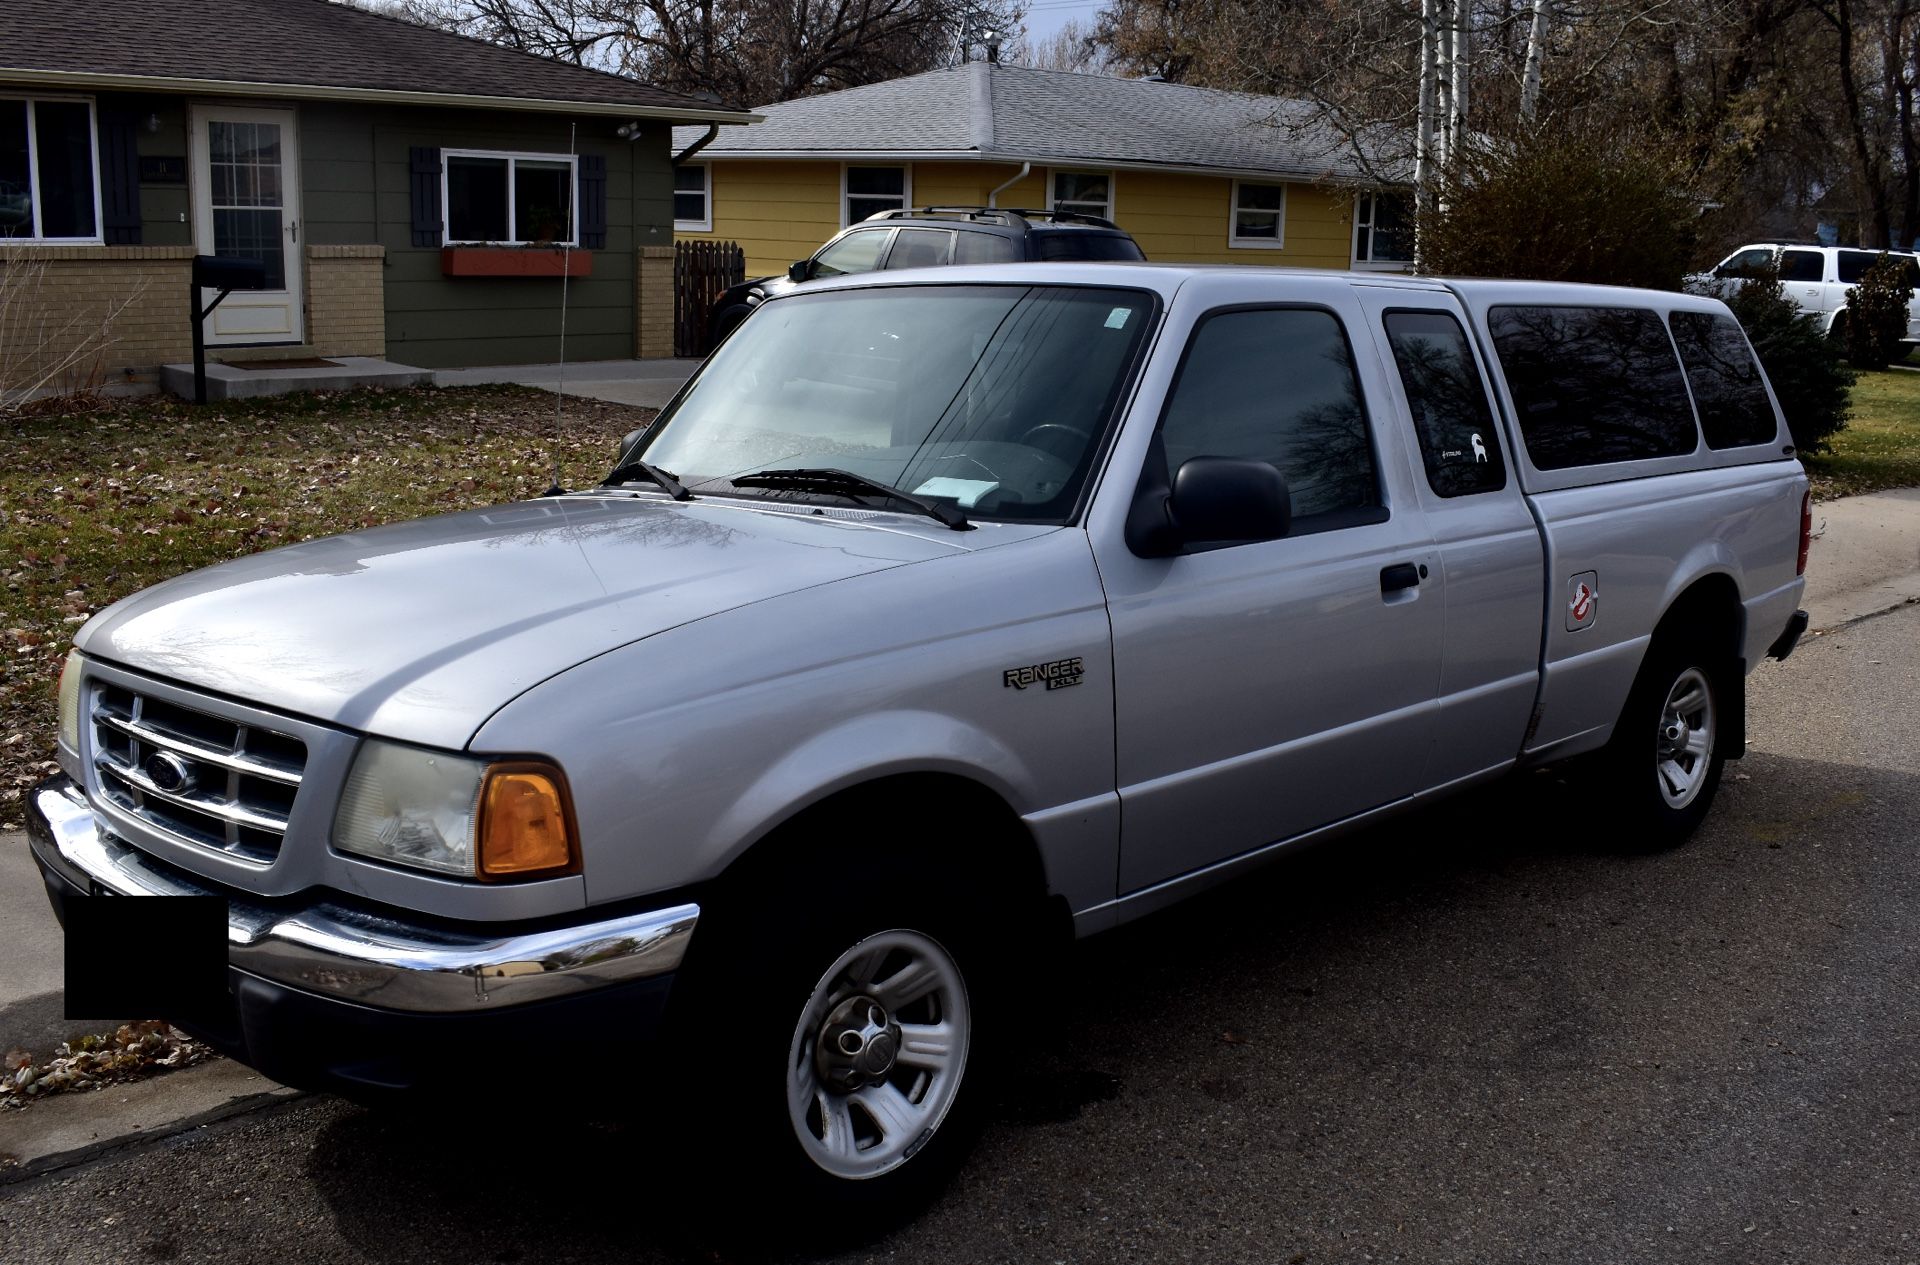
1865,557
646,383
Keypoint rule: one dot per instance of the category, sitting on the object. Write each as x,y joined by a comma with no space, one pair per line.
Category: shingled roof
304,49
1005,113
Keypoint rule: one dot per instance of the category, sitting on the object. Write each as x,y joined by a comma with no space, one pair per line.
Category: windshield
993,397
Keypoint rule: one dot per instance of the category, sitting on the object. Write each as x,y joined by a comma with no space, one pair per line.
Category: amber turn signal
526,823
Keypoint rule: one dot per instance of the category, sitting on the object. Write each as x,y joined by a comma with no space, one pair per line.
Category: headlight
70,702
454,815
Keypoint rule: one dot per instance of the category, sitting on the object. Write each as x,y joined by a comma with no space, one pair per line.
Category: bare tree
1072,47
745,52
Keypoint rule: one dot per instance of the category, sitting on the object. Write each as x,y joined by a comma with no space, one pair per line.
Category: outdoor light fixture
153,122
628,131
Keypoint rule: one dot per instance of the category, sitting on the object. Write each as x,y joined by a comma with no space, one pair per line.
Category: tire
1663,764
857,1007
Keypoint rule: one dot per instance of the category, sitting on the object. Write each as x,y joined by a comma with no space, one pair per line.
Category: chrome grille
203,778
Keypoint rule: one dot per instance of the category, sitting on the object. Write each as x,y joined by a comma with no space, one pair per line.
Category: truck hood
421,630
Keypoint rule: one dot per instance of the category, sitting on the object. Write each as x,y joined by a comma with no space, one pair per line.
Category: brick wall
122,307
346,302
653,283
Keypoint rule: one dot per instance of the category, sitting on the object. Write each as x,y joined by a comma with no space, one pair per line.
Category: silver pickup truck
939,617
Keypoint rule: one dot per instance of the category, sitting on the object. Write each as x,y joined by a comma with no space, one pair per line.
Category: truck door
1263,690
1491,555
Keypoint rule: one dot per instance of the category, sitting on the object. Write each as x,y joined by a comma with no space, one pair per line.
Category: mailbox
225,273
229,272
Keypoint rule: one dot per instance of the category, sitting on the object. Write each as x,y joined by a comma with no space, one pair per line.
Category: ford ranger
941,614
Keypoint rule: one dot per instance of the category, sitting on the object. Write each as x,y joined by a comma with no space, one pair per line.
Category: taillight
1806,531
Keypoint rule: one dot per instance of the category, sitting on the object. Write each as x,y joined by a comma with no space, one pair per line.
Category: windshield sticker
1057,675
967,492
1117,319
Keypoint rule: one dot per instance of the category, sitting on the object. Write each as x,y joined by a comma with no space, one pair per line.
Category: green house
412,194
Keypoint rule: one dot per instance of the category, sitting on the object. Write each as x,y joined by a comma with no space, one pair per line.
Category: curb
112,1115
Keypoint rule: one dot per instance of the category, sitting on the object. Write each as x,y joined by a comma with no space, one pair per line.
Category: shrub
1809,377
1559,206
1876,319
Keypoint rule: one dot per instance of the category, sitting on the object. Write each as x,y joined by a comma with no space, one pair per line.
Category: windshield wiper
637,469
847,483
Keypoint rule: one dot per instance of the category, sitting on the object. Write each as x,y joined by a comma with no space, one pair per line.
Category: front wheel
1666,755
856,1011
878,1055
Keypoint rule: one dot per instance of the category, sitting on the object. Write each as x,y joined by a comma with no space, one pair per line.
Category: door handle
1401,575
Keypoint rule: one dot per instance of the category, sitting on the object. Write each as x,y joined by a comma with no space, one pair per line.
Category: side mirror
800,270
627,441
1223,500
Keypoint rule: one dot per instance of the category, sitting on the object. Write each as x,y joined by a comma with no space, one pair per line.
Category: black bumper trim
1789,637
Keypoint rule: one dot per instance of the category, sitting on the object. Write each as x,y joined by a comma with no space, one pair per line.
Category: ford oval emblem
168,772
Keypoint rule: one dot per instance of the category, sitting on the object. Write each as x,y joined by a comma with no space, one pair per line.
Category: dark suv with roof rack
929,237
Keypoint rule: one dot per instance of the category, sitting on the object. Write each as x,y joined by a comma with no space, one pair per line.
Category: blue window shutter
120,178
593,202
424,166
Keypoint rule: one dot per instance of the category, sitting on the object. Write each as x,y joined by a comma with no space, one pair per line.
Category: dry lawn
100,502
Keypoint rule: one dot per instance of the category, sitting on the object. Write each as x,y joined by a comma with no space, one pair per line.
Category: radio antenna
566,275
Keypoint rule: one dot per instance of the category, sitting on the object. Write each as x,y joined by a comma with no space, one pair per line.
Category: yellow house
1195,175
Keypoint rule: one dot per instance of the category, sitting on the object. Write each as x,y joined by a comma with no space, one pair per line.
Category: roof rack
997,215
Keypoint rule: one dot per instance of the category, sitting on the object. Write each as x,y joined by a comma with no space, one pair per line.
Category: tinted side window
1746,264
1079,244
1853,265
1277,386
1593,385
1726,382
1802,265
984,248
856,252
919,248
1448,402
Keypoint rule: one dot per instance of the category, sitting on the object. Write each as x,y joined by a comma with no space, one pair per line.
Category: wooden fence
701,270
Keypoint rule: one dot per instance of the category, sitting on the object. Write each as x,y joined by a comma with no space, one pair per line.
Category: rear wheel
1664,761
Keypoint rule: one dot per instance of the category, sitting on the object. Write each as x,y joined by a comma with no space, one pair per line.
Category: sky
1044,17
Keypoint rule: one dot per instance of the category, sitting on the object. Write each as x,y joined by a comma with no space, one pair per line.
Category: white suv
1815,277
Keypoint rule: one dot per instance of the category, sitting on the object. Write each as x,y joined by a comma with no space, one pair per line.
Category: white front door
246,202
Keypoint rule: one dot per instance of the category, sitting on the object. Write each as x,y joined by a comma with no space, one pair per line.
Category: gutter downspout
713,130
993,199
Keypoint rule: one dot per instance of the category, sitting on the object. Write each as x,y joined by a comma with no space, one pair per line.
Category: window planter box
515,261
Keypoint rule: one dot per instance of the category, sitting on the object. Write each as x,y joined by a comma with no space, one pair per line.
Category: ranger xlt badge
1058,675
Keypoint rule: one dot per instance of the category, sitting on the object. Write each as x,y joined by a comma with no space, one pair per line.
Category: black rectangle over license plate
156,957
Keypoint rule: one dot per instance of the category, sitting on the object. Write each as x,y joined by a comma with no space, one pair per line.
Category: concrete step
344,373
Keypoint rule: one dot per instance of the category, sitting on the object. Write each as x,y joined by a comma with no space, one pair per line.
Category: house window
1259,215
693,199
509,199
49,171
872,190
1382,231
1087,192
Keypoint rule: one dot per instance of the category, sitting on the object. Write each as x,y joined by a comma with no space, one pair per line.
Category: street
1476,1034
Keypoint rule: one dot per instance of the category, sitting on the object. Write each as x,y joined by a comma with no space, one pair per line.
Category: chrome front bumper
351,955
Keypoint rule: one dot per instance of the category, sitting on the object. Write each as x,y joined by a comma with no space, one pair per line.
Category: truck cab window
1448,402
1277,385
